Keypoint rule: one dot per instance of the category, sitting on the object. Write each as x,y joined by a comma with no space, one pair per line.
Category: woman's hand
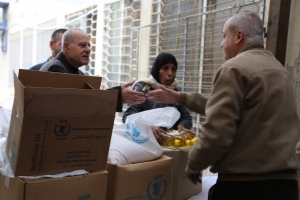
157,131
181,128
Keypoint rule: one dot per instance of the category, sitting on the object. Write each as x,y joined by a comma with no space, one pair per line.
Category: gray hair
250,23
67,37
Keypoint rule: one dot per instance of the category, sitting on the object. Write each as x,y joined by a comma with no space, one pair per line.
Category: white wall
24,15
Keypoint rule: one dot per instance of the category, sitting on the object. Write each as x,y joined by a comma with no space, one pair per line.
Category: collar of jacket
62,58
253,46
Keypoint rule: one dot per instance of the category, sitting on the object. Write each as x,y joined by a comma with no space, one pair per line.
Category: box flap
57,80
53,102
46,94
19,97
144,166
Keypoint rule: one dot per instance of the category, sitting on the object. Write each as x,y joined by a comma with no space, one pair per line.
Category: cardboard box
59,123
182,187
298,175
85,187
147,180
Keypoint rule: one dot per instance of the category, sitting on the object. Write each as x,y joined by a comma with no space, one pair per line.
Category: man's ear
51,44
66,46
239,37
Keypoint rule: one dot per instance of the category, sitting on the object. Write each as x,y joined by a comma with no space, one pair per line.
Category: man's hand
157,131
130,96
193,176
163,95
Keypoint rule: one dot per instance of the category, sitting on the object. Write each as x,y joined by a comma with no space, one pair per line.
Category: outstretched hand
130,96
163,95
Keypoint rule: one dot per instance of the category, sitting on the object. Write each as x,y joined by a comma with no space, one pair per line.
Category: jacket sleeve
119,100
222,112
133,108
194,102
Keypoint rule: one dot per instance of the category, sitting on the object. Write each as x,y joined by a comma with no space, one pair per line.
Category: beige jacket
251,125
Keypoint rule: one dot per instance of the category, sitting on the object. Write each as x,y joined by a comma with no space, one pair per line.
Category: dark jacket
185,118
39,65
61,64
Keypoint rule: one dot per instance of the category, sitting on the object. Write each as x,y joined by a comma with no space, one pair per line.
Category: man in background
55,46
76,48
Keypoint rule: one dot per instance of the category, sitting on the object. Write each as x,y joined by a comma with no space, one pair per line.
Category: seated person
163,72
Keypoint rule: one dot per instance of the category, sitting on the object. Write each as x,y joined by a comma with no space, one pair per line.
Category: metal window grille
118,64
189,29
119,43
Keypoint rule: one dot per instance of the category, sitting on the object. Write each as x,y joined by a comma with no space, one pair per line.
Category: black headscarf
160,60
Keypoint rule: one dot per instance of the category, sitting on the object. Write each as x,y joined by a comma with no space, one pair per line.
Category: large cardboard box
147,180
298,175
182,187
85,187
59,123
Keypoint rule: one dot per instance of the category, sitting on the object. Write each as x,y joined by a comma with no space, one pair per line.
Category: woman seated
163,72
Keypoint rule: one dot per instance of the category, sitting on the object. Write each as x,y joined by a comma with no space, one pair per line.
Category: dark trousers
254,190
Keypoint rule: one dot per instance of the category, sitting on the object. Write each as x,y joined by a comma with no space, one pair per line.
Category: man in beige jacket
251,127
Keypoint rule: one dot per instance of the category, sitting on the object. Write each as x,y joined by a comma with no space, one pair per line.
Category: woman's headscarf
153,82
160,60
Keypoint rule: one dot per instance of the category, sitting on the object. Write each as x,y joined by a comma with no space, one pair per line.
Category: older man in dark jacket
75,53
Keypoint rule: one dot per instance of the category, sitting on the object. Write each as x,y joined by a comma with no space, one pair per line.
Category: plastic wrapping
173,138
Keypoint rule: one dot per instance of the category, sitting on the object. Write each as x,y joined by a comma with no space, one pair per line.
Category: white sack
134,141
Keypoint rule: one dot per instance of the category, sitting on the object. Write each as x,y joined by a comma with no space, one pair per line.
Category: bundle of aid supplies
173,138
134,142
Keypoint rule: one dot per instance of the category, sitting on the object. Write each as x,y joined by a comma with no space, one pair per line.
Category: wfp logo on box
84,197
156,189
62,128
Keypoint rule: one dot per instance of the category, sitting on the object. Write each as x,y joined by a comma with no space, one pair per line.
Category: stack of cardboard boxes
62,123
59,123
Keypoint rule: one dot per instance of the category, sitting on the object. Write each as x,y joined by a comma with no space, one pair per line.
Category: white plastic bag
5,168
134,141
